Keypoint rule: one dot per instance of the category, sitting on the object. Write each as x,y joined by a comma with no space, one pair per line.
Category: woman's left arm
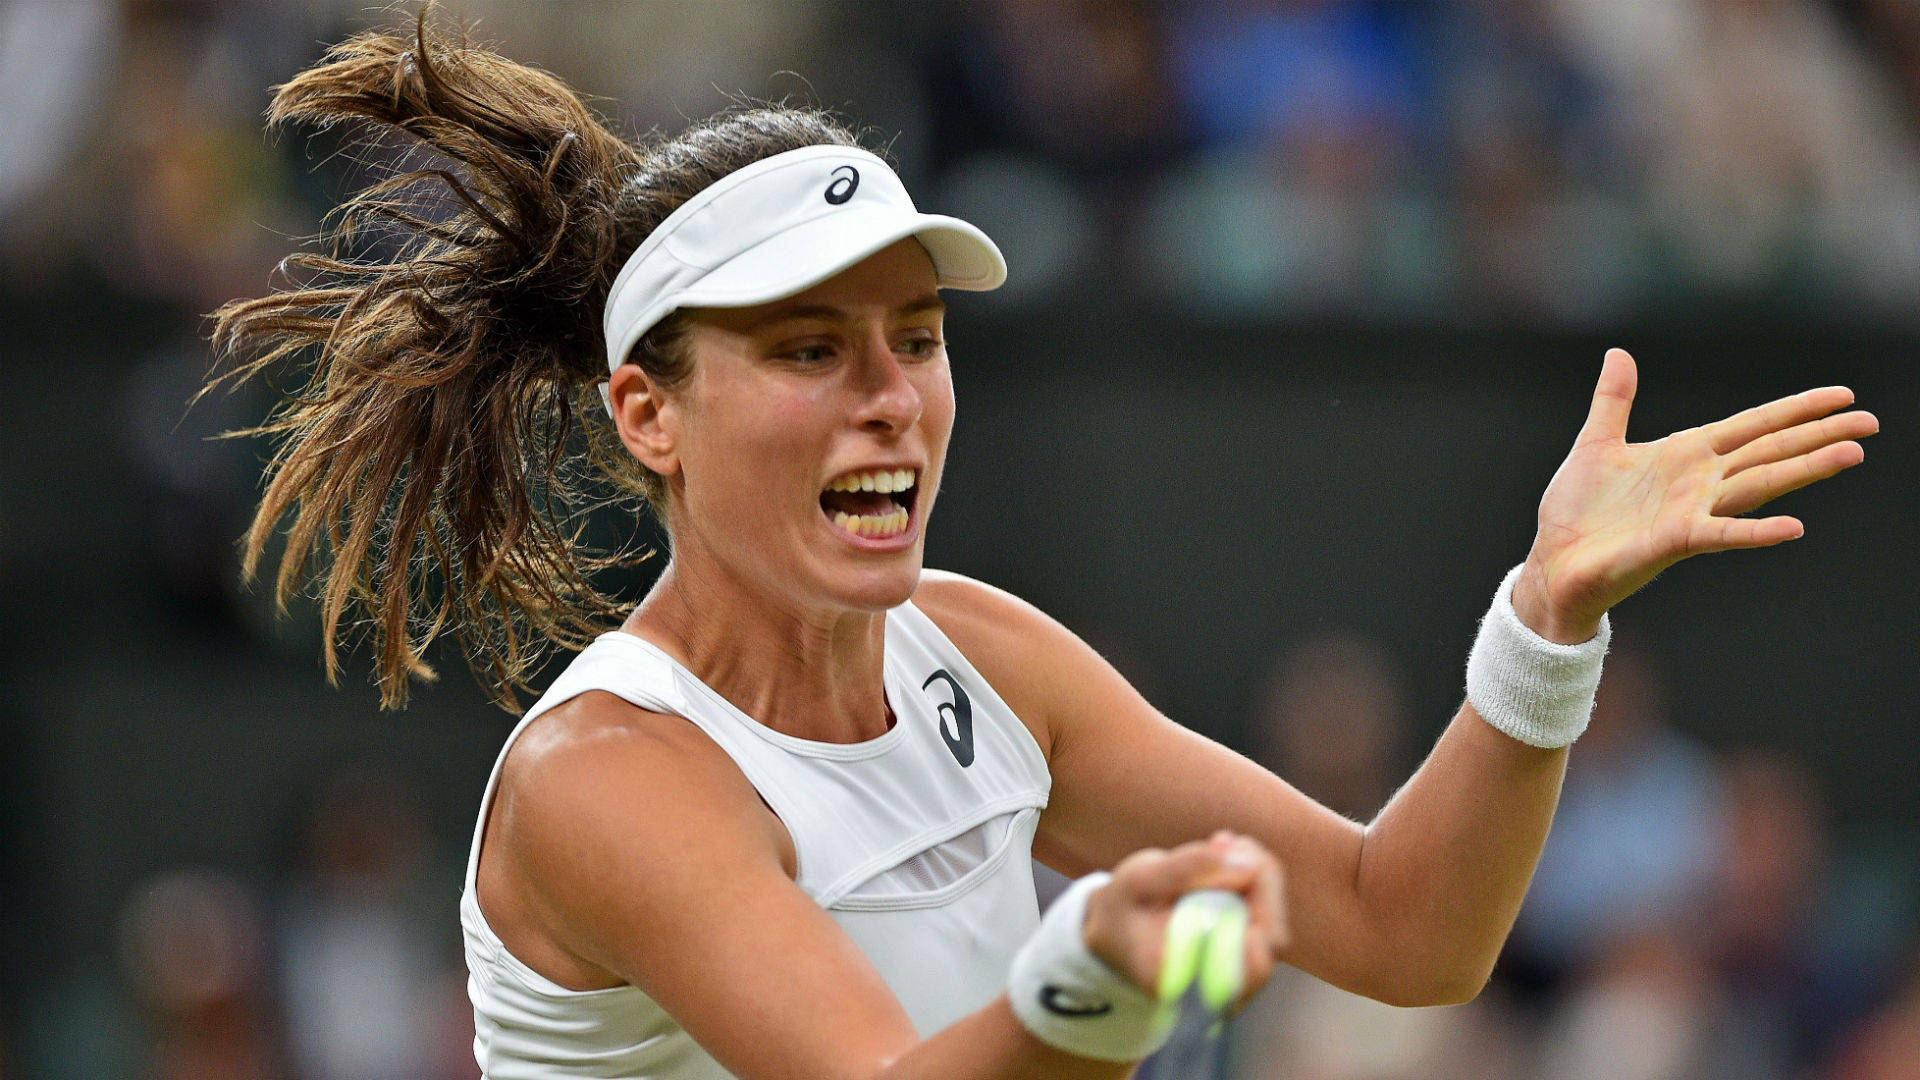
1411,909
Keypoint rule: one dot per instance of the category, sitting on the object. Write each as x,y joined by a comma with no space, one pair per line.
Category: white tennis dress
917,843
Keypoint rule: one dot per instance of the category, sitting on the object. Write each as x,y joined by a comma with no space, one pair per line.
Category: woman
776,824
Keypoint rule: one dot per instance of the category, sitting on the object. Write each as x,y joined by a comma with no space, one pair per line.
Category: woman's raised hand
1617,513
1126,923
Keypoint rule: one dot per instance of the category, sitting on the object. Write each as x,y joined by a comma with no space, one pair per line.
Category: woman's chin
880,589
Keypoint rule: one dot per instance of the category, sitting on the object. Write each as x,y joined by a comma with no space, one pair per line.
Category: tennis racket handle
1205,947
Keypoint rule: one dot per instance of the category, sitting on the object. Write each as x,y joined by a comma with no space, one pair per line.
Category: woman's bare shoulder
597,753
957,594
590,829
600,738
1016,647
596,729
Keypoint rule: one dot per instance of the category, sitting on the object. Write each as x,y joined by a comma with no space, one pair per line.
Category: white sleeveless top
916,842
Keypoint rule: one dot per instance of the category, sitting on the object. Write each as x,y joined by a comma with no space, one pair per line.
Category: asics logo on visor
843,188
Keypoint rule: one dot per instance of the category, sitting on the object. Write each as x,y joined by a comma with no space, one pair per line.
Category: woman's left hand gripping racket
1202,971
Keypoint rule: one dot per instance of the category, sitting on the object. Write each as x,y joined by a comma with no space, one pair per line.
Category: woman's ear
646,418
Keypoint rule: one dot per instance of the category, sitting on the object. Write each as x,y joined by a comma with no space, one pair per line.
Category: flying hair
435,467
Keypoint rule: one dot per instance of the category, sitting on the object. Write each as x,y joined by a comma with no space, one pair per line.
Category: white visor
777,227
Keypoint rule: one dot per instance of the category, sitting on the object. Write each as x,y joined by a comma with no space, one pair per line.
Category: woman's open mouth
875,504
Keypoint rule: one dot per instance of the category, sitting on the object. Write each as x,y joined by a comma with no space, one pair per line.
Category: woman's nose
889,401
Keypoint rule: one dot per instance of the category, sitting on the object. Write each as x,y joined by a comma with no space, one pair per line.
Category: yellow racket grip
1206,944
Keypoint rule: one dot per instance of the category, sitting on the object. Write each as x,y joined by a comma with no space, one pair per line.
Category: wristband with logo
1071,1000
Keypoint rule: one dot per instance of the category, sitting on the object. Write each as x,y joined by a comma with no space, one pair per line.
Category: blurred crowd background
1306,300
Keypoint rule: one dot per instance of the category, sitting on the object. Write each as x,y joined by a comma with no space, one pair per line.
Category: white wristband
1538,691
1071,1000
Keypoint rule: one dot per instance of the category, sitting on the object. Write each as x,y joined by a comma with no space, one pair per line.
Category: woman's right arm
625,847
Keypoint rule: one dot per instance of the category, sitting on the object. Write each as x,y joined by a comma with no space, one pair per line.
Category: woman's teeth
881,480
874,525
875,504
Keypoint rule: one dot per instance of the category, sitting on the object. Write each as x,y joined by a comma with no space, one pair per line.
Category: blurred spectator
191,942
1742,987
1537,174
55,60
1080,85
1770,145
176,194
1644,1010
1049,121
1296,75
1886,1046
193,195
1333,721
364,955
1787,983
1633,843
654,64
1312,116
1300,1028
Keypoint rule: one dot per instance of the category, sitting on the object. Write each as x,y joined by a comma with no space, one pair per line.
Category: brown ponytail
431,461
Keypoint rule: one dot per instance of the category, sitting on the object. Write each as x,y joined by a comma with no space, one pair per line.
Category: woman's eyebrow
820,312
929,302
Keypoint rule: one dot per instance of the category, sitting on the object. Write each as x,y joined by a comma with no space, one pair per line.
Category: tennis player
778,823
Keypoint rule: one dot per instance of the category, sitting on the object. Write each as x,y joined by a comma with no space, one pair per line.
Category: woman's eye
920,346
811,354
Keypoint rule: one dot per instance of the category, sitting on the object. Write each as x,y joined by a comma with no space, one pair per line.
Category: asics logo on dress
1061,1001
843,188
960,711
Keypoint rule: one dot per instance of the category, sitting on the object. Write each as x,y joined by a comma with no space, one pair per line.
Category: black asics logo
960,711
842,189
1061,1001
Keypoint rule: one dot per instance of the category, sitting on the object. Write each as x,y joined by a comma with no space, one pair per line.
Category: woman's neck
810,674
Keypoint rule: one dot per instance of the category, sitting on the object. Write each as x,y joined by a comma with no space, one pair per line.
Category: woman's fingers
1742,428
1733,533
1761,484
1157,877
1127,921
1268,932
1801,439
1268,903
1612,398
